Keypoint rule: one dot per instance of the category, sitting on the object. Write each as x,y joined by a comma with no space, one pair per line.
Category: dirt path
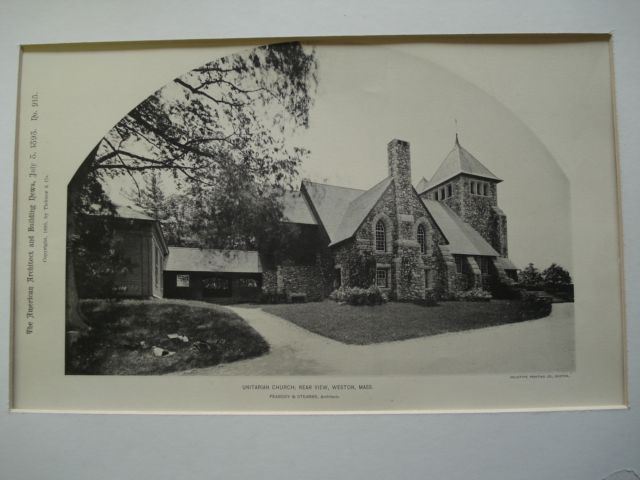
534,346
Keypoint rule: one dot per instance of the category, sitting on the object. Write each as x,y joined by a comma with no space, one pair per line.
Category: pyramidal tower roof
458,161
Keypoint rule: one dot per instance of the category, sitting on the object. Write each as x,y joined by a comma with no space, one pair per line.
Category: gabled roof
358,210
296,210
330,202
458,161
183,259
341,210
463,238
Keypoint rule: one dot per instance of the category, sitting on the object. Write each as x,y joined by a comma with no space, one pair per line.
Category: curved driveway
542,345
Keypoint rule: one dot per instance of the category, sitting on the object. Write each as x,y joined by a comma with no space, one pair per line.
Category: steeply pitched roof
342,210
296,209
330,203
463,238
358,210
183,259
458,161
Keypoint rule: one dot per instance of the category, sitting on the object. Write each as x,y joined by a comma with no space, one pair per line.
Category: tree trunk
75,319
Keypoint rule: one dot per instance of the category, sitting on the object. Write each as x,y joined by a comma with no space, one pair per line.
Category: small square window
382,277
182,281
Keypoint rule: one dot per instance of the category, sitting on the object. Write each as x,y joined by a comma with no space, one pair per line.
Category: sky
501,103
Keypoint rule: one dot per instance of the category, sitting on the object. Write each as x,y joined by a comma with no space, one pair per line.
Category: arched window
381,237
422,239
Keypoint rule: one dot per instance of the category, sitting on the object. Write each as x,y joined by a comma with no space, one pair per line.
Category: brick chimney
400,170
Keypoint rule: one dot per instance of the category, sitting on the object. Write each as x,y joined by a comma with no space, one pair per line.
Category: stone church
444,236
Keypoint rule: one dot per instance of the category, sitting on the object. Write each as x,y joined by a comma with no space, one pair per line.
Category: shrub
430,299
474,295
556,278
504,291
531,278
270,297
359,296
535,305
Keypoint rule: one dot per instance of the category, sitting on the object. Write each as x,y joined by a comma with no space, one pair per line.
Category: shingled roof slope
463,238
330,203
358,210
296,210
128,212
458,161
183,259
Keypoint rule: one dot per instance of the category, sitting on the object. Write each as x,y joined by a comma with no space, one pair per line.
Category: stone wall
403,210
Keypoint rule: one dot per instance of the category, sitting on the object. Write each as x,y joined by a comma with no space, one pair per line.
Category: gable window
381,237
182,281
382,277
422,239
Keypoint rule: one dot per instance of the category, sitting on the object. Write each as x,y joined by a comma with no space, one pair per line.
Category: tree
555,277
221,133
530,277
150,197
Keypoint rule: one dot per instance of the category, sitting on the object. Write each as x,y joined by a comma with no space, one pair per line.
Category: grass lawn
123,335
364,325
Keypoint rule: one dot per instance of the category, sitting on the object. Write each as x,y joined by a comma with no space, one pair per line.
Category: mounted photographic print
355,225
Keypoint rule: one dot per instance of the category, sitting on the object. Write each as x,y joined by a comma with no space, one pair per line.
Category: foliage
366,270
220,135
220,132
555,277
474,295
123,335
536,305
531,277
430,299
359,296
502,290
97,259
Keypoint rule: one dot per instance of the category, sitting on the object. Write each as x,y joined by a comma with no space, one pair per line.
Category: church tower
470,189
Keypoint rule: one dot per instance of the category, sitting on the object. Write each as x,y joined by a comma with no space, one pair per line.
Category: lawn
364,325
123,336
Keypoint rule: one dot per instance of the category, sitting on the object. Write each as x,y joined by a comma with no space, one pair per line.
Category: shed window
382,277
182,281
381,238
247,283
216,283
422,239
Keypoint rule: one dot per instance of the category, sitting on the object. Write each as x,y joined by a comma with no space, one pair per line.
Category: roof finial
456,122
